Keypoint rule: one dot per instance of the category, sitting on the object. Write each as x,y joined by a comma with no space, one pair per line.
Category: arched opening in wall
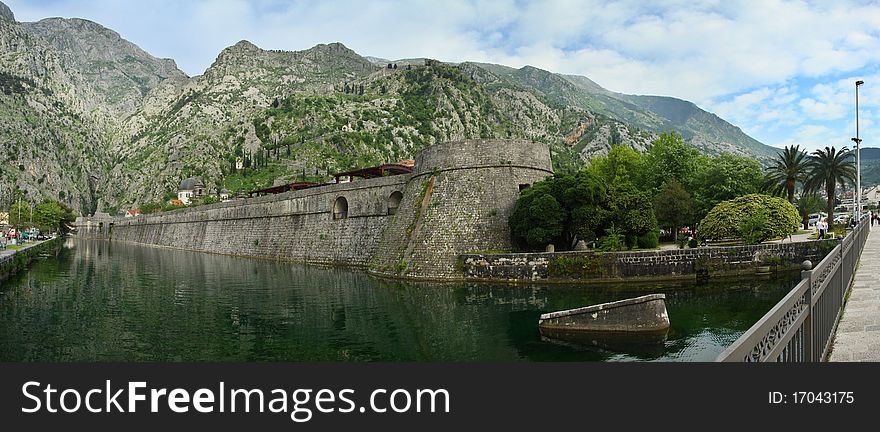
394,202
100,228
340,208
110,230
524,186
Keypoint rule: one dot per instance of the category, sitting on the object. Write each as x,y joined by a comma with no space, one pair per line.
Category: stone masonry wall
296,225
458,201
711,261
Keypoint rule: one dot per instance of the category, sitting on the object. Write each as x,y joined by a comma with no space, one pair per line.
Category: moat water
102,301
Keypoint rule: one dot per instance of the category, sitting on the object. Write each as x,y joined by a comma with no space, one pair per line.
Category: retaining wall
11,264
679,263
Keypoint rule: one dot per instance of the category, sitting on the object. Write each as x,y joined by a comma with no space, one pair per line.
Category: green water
100,301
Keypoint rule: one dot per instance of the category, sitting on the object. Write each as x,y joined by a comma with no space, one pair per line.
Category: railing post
808,323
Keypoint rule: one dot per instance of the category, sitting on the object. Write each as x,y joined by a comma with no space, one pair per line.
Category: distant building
872,195
178,203
239,163
132,213
224,195
191,188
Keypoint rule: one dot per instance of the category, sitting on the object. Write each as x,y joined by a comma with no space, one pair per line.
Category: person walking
821,226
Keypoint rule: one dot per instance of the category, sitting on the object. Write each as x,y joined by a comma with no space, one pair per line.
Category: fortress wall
458,201
296,225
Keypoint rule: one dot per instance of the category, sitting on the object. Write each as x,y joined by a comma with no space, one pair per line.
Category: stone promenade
858,334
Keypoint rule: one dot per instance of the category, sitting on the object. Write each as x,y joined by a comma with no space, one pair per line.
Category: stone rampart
457,200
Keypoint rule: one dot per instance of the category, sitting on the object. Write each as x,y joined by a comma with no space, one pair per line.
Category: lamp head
859,82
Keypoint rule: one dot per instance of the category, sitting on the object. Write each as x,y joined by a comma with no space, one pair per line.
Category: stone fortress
456,201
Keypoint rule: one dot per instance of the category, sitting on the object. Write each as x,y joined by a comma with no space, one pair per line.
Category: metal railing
800,327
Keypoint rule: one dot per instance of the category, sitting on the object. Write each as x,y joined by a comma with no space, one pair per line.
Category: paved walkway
858,334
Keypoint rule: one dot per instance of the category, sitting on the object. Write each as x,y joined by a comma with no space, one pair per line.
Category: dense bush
649,240
754,218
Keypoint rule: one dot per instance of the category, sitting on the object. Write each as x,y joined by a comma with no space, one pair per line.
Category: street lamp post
858,141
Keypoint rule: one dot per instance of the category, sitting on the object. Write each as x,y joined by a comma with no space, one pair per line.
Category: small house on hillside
133,213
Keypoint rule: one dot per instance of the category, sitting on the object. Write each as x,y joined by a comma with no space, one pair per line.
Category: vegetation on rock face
753,218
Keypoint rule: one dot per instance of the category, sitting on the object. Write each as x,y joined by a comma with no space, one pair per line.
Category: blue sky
783,71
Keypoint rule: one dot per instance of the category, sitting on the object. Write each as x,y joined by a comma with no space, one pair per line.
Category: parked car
815,217
841,219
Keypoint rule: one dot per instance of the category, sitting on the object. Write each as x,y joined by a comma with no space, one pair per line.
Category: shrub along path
858,334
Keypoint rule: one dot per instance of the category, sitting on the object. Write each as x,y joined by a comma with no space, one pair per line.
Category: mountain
51,142
118,71
95,121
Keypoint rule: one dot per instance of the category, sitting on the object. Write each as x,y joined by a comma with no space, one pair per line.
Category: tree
830,168
575,212
48,216
674,207
537,219
725,177
788,168
807,204
20,213
669,157
753,217
631,210
621,161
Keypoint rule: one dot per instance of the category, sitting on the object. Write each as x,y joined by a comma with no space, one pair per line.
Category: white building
191,188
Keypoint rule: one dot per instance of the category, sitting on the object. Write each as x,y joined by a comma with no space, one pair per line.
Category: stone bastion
456,201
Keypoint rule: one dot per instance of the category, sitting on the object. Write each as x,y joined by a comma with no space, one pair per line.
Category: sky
783,71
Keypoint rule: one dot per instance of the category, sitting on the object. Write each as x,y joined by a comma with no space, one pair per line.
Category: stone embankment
670,264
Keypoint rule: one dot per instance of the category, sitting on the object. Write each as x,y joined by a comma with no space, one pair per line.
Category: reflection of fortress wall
457,200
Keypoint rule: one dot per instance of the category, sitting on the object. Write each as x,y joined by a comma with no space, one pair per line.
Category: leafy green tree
631,210
757,216
538,218
20,214
674,207
830,168
49,215
788,169
583,196
670,157
621,161
725,177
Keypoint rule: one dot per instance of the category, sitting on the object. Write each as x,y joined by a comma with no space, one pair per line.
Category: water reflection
98,301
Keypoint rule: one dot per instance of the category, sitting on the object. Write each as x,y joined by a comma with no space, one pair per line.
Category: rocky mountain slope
109,125
118,71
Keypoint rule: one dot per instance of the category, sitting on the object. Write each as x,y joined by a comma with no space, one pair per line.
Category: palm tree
788,168
830,168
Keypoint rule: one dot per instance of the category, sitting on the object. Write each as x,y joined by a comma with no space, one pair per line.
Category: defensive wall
457,200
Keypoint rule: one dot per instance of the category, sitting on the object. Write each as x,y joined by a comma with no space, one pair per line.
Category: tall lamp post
858,141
